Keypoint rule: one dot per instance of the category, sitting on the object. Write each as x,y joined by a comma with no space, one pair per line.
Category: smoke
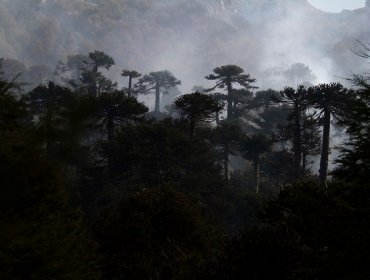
189,38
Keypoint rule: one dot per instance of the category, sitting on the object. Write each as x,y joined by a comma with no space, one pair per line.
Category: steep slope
187,37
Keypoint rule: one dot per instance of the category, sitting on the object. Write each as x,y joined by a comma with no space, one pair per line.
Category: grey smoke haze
189,37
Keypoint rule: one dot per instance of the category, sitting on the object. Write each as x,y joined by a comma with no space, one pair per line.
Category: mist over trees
111,169
268,38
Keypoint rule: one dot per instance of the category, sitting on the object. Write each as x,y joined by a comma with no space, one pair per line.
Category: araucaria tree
114,109
157,81
91,74
253,148
355,159
50,104
131,74
296,99
197,107
226,76
227,136
330,100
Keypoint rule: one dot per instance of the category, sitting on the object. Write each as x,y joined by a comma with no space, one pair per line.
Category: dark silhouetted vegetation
94,186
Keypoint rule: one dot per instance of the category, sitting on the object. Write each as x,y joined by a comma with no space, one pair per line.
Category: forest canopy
111,170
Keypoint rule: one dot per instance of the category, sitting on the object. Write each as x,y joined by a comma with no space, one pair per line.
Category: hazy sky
337,5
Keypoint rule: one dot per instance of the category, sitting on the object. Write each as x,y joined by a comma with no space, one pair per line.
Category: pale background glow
335,6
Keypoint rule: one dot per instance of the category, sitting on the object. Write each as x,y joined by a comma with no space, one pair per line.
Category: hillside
187,37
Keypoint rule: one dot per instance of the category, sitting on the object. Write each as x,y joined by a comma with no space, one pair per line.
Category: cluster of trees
96,187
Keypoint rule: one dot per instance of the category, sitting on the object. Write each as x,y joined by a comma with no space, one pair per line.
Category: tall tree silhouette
330,100
114,109
91,75
355,157
197,107
253,148
227,136
264,99
157,81
131,74
297,100
49,104
241,102
226,76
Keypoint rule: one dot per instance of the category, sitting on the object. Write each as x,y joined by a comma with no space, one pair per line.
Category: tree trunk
323,173
304,160
157,98
93,88
229,101
297,145
235,115
129,85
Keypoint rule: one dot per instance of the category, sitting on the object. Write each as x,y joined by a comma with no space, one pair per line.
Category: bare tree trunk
217,117
129,85
229,102
93,88
297,146
157,98
323,172
235,115
304,160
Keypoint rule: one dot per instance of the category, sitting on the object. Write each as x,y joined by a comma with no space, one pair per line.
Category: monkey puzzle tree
48,104
309,142
227,135
157,80
355,158
131,74
91,74
70,71
241,102
330,100
226,76
253,148
219,98
197,107
296,99
264,99
114,109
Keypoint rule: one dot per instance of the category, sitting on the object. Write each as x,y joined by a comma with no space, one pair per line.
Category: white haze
188,37
336,6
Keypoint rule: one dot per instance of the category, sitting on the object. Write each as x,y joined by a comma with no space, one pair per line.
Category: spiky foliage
330,101
197,107
226,76
253,148
131,74
157,81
